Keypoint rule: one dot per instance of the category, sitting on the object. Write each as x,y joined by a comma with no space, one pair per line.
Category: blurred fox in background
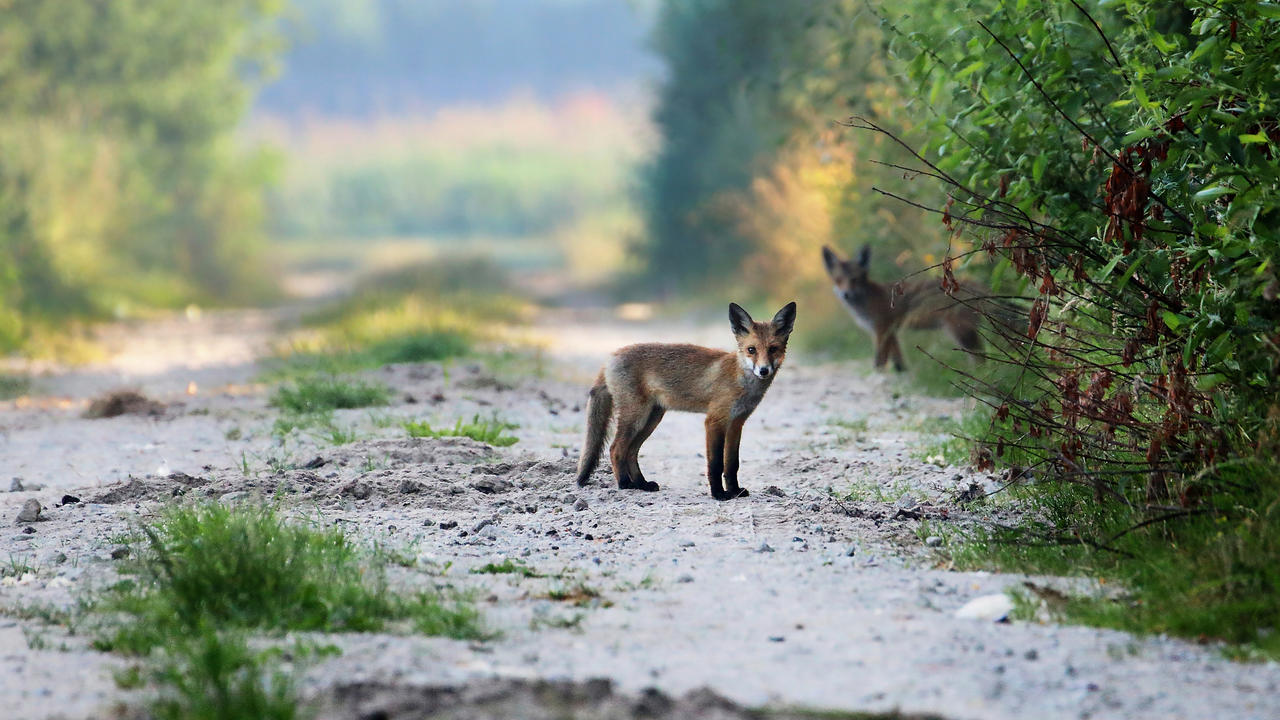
919,304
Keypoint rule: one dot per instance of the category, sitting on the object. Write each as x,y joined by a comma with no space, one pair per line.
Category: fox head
849,276
762,346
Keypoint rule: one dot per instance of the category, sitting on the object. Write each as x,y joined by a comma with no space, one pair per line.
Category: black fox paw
740,493
646,485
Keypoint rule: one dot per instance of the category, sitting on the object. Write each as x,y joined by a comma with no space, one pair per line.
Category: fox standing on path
921,305
642,382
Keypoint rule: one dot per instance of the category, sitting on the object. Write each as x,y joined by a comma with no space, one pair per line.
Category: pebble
482,524
30,512
685,579
853,550
28,530
933,541
448,525
59,558
580,504
764,548
119,553
686,543
993,608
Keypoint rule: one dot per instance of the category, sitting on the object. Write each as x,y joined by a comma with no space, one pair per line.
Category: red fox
640,383
922,305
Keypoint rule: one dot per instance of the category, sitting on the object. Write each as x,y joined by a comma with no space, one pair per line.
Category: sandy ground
789,598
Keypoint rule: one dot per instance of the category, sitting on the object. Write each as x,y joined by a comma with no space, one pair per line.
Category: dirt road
792,597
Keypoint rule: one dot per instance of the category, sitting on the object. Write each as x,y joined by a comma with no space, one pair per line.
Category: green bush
318,394
488,430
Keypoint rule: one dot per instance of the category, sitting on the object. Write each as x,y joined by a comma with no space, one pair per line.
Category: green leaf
1213,191
1037,168
1254,138
1174,320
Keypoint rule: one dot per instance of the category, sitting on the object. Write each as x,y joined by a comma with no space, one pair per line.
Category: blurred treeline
755,174
120,182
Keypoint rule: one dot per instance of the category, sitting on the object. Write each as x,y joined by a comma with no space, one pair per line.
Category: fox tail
599,410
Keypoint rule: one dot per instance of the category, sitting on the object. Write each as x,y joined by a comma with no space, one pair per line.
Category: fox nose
763,371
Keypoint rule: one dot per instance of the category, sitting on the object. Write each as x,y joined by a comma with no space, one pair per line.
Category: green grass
248,568
12,386
491,430
215,676
1210,575
507,567
313,394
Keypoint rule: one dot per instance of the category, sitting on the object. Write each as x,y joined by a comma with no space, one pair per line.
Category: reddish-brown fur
642,382
921,305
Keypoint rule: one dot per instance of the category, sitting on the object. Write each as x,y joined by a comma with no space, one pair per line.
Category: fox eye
751,350
773,349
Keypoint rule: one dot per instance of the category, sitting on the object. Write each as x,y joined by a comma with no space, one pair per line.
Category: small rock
448,525
410,400
70,499
686,543
685,579
59,558
15,485
580,505
992,608
428,522
1031,654
933,541
776,638
483,524
774,490
30,512
853,550
28,530
120,553
764,548
358,490
411,487
816,529
314,463
491,484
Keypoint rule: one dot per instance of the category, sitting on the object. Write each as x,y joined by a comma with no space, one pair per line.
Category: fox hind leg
716,432
633,459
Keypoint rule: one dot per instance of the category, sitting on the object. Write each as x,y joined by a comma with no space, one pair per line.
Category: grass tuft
248,568
507,567
490,431
317,394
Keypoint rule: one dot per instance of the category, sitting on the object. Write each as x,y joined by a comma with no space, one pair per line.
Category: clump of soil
123,402
547,700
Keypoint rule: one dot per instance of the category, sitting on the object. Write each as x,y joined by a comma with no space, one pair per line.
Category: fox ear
785,319
830,259
864,256
739,320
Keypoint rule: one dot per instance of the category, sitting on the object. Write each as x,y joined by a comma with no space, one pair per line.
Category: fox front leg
731,442
715,457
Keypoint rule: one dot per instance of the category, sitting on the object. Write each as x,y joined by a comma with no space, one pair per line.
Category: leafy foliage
119,185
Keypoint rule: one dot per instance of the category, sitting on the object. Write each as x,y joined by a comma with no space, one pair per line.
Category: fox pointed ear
830,259
864,256
785,320
739,320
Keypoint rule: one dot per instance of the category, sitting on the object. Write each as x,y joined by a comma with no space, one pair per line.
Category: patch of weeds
13,386
383,420
507,567
321,393
578,594
1207,573
233,434
404,557
48,614
560,622
215,676
246,567
420,346
489,430
17,567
